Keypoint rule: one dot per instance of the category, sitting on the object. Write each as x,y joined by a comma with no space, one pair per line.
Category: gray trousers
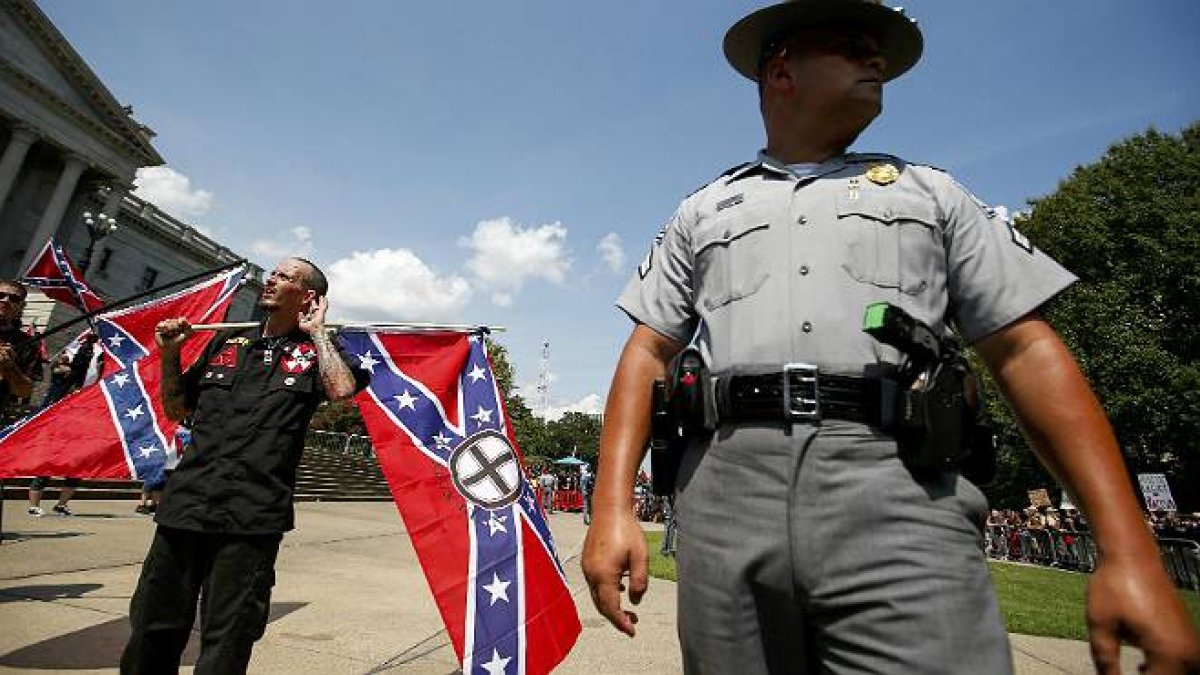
817,551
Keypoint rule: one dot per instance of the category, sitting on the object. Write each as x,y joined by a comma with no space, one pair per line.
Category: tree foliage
573,433
1129,227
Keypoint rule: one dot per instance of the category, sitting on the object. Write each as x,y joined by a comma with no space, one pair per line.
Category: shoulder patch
648,263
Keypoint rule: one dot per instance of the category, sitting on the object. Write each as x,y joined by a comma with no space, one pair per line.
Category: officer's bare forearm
1069,431
627,416
336,378
173,400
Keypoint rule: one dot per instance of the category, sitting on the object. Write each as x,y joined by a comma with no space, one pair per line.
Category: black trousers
231,575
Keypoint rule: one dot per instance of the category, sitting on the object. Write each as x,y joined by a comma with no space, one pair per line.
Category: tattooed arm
170,336
336,378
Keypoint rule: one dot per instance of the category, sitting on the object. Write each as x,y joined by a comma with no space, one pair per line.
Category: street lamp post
99,226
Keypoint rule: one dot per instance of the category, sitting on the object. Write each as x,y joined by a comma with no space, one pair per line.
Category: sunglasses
11,297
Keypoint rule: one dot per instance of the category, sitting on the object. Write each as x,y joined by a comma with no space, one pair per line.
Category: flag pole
133,298
368,326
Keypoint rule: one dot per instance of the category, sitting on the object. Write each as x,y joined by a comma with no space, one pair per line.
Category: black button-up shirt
251,412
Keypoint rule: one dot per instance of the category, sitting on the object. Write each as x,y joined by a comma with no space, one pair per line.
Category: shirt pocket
730,258
891,243
287,401
214,395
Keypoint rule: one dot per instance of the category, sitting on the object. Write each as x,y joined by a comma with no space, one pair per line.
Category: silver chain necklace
269,352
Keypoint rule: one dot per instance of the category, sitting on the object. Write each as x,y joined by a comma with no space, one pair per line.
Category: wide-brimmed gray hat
900,40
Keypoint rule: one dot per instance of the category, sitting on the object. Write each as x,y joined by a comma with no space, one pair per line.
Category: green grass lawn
1034,600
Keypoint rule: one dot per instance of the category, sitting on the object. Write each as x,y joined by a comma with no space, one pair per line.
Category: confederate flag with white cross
443,440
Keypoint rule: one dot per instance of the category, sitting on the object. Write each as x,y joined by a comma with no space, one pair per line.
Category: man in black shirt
250,395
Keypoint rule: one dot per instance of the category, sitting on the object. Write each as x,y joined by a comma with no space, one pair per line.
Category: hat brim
900,40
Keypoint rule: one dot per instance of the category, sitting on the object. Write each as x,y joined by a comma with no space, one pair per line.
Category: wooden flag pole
458,328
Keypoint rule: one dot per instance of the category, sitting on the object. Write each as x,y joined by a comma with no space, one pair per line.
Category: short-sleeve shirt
248,426
780,269
29,359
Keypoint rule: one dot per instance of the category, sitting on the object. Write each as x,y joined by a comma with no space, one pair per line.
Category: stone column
14,155
53,214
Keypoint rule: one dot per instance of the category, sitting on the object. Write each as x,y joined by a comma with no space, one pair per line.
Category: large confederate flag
116,427
445,445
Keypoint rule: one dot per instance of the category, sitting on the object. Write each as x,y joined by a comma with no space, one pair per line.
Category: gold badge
883,174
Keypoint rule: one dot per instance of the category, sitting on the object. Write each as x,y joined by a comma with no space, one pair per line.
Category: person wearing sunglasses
20,357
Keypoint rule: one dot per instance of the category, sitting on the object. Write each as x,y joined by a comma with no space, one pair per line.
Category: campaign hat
900,40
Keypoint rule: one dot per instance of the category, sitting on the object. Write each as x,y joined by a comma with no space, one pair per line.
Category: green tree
1129,227
341,416
576,433
529,430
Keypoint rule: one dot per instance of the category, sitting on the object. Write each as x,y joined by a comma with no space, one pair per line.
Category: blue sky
509,163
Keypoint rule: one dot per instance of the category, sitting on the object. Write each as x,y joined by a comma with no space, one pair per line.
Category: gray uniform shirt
780,269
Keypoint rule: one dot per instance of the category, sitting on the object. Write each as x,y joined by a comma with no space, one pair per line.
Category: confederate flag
116,428
444,443
53,273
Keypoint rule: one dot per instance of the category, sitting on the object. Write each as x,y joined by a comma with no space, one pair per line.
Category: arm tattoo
173,401
336,377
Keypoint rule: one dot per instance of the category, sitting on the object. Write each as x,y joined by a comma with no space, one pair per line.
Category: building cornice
125,133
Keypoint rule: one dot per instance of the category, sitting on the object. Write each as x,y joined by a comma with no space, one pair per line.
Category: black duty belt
801,393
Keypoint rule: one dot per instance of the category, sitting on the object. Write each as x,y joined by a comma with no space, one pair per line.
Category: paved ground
350,599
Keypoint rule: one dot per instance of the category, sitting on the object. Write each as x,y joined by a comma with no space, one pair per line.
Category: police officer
810,544
226,506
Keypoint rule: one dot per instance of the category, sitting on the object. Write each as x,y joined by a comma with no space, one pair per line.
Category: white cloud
171,191
591,404
505,255
612,252
298,243
393,285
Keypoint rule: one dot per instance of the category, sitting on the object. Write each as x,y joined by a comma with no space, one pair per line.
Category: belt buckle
802,400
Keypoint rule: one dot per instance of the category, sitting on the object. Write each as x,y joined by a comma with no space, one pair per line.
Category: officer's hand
170,334
615,546
1135,601
8,357
312,317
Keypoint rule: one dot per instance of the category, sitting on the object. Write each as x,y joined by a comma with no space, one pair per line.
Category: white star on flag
484,415
135,412
147,451
496,665
496,525
497,589
121,379
406,400
441,440
476,373
116,340
367,361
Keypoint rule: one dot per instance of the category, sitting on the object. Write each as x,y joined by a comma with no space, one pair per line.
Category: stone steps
322,476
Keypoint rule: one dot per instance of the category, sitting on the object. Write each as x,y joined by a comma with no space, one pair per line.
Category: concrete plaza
350,598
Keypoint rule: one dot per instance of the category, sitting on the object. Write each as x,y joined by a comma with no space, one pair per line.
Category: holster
937,427
682,407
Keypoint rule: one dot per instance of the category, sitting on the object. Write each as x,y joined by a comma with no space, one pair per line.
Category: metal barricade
1181,557
343,444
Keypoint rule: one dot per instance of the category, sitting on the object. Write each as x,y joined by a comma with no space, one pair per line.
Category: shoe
142,509
62,510
34,512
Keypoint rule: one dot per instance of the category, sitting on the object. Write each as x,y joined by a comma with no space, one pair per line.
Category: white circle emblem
485,470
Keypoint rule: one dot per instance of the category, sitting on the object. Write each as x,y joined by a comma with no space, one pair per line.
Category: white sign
1156,491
